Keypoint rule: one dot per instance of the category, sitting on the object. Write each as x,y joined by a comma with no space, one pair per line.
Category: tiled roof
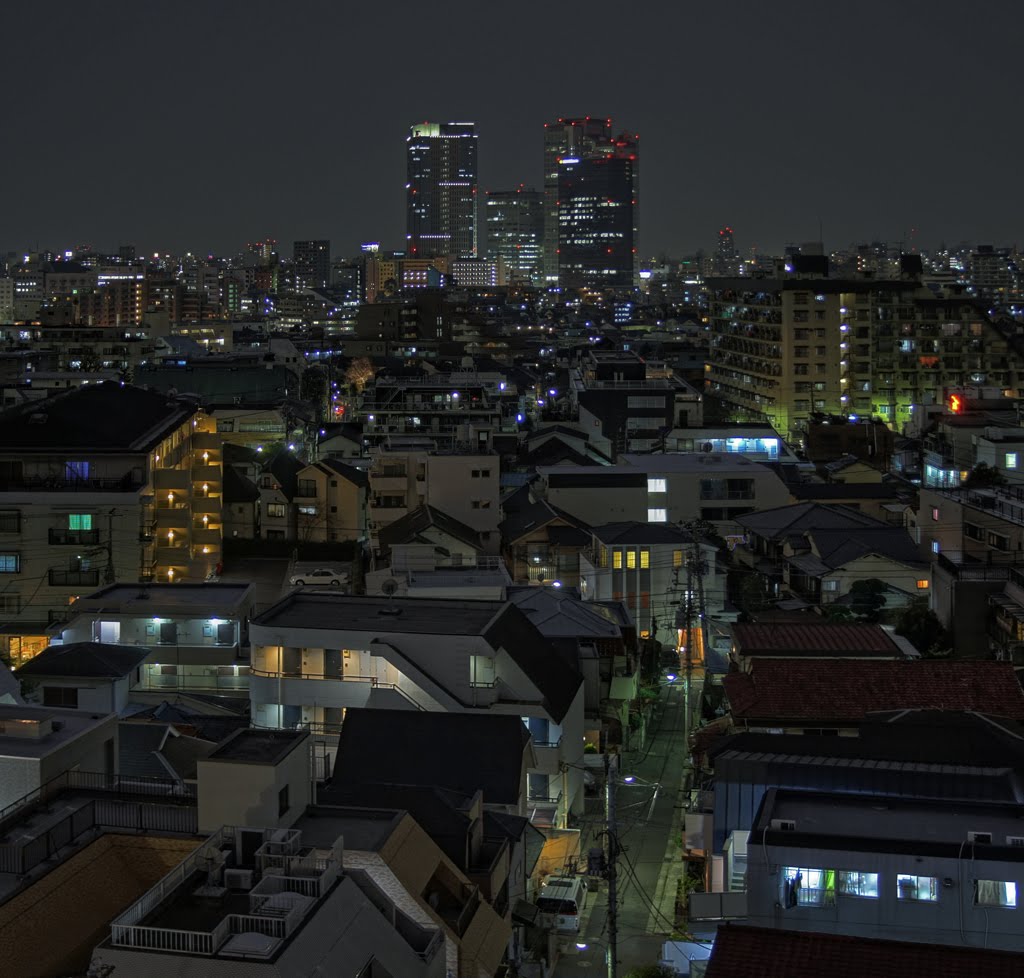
795,638
97,660
762,952
849,689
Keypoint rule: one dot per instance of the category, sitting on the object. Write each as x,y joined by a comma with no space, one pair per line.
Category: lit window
645,559
657,485
935,546
923,585
603,561
657,516
935,513
1011,460
803,887
831,585
677,558
993,893
631,559
857,884
10,563
617,559
917,888
79,521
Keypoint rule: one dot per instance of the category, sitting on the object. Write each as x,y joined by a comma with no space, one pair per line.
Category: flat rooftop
144,598
57,728
363,829
251,746
886,824
357,613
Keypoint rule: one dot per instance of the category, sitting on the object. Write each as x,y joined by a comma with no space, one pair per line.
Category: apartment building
787,347
107,482
937,872
316,654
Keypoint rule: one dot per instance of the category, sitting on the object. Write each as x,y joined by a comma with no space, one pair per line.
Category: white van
564,897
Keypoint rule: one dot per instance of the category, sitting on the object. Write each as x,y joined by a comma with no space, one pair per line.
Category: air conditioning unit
981,838
783,825
238,879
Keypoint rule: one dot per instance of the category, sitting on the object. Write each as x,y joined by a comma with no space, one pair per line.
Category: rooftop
813,638
96,660
35,731
107,417
762,952
846,690
252,746
146,598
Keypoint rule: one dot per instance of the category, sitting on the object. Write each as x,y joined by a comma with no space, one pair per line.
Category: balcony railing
59,537
126,483
69,578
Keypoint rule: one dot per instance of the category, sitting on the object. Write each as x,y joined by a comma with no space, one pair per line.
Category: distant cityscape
506,602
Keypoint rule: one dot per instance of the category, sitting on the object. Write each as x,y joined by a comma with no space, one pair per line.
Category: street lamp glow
582,945
671,677
629,778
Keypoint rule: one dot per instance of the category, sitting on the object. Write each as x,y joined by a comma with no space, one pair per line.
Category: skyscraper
596,223
312,261
441,190
514,223
577,138
726,259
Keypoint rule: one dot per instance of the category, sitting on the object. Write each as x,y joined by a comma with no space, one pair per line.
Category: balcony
206,473
125,483
61,537
208,535
176,480
74,578
206,504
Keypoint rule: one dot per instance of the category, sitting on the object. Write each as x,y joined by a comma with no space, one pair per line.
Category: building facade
514,222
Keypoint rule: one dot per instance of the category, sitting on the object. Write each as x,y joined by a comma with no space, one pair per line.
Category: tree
868,599
984,476
752,596
921,627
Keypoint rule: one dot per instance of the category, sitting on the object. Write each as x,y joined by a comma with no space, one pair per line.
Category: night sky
202,124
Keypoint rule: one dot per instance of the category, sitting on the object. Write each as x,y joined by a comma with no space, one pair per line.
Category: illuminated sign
956,403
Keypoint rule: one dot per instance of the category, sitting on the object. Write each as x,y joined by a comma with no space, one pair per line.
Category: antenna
389,586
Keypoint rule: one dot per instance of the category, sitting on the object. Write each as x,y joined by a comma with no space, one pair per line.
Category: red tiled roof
848,689
762,952
794,637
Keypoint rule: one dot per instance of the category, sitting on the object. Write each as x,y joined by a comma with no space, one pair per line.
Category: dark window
282,801
10,521
65,696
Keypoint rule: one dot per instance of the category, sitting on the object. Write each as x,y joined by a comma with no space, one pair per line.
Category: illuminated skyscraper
574,138
726,261
441,190
514,222
312,264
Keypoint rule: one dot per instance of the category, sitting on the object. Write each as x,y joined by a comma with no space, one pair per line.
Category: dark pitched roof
794,638
356,476
845,490
285,467
837,547
104,417
572,479
97,660
846,690
526,519
138,747
797,518
462,752
636,532
408,528
232,454
238,488
557,681
741,951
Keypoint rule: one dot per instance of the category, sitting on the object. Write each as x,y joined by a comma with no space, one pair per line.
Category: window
63,696
10,602
10,521
307,510
481,670
76,470
803,887
1011,460
917,887
657,485
935,546
306,487
631,559
830,585
617,559
677,558
923,585
993,893
657,515
283,803
645,559
935,514
481,473
10,563
997,541
79,521
481,504
603,558
275,510
857,884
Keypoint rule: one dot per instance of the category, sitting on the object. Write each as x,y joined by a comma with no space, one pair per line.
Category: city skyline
846,125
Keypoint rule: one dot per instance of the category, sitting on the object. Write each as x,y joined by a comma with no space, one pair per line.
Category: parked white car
321,575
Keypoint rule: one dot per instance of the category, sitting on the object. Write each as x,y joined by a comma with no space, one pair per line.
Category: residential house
752,642
278,484
340,440
331,499
816,553
890,502
540,543
317,654
197,634
106,481
95,677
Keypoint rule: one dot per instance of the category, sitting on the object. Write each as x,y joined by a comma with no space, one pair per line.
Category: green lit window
79,521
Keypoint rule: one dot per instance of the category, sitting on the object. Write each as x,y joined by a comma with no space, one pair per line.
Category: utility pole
611,772
109,576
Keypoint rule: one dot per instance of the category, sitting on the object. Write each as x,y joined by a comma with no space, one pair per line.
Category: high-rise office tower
441,190
726,259
514,223
312,260
596,226
574,138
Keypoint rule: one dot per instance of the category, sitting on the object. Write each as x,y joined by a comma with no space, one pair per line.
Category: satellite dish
389,586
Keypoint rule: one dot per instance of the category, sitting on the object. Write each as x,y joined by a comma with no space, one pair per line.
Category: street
649,822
